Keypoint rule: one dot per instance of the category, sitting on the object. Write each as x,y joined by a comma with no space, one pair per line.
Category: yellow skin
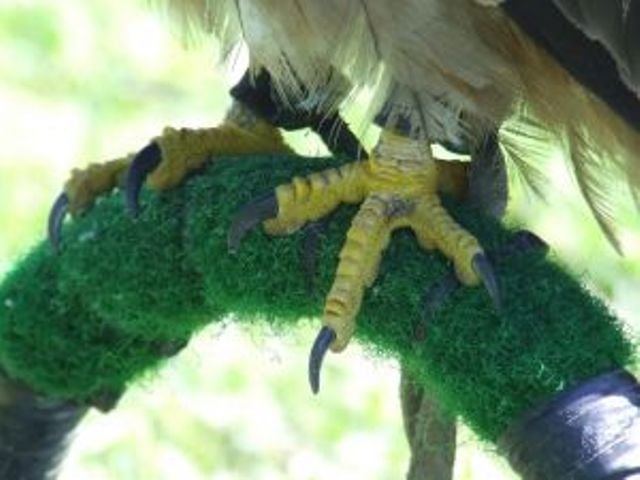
398,187
183,151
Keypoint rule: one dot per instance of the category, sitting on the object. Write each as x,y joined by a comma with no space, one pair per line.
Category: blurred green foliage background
85,81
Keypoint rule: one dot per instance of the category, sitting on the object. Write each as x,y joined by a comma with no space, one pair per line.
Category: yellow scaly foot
164,163
397,187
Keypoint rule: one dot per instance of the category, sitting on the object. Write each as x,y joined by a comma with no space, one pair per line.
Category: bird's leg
186,150
251,126
179,152
452,181
165,162
398,187
401,187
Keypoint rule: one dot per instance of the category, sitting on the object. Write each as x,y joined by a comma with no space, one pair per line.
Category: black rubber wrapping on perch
589,432
34,433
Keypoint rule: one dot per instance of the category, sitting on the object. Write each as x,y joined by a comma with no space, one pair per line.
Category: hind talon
525,240
253,213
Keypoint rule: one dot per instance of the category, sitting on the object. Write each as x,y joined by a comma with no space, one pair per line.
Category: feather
595,182
527,145
615,25
598,145
416,54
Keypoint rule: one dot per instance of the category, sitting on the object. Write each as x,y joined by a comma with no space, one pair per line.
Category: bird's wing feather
471,56
616,24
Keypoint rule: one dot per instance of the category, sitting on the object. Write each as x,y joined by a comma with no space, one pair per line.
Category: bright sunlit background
84,81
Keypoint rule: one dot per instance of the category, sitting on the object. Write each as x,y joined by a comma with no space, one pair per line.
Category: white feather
419,55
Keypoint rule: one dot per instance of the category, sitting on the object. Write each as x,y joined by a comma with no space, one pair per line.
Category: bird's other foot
163,164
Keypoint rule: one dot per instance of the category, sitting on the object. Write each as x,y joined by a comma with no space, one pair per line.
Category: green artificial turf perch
122,294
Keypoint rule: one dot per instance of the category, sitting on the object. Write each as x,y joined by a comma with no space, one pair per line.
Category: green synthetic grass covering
93,318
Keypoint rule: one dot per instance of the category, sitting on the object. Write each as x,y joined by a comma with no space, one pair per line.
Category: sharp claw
145,161
524,241
249,216
325,337
521,242
483,268
56,217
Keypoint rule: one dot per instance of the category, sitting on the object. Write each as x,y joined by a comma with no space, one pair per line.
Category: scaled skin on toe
85,185
180,152
187,150
398,187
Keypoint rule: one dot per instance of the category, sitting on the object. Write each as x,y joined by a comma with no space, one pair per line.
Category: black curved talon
439,293
145,161
253,213
483,268
325,337
525,240
57,215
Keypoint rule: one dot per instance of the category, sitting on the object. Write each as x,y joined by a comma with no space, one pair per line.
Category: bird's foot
163,164
398,187
184,151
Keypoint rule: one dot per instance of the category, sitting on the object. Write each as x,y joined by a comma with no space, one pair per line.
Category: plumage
466,54
616,25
